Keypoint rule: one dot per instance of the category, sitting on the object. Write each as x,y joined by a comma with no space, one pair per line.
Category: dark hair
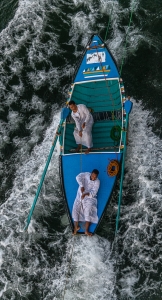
71,102
95,171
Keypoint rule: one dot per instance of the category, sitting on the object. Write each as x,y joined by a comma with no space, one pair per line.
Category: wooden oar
64,113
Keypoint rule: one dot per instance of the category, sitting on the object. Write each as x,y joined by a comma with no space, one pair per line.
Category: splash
93,274
142,208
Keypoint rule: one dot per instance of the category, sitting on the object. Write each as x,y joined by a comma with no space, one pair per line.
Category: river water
40,44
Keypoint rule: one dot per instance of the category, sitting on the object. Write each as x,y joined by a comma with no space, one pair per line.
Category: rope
81,151
66,273
109,92
130,20
111,98
108,25
113,168
115,247
115,133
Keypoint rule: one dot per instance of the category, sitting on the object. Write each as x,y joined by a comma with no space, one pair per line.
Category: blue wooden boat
98,85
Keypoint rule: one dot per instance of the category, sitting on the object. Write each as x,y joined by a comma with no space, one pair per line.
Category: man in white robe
85,204
84,122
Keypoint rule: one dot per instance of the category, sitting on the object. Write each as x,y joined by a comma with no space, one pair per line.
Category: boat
97,84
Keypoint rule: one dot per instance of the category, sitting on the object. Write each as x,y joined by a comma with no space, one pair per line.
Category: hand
83,125
82,197
82,189
80,133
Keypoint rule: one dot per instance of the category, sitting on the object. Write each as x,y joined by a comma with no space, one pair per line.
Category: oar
64,113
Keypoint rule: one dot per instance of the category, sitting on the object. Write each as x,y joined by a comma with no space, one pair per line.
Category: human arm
77,123
83,195
82,189
83,125
80,133
94,190
87,114
81,179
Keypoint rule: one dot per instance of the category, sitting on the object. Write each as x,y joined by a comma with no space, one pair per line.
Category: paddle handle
58,131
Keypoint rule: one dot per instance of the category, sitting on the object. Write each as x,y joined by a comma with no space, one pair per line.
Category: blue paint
65,112
128,106
92,89
111,70
74,164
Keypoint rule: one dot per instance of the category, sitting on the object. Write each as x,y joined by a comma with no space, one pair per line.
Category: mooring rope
109,91
115,247
66,273
72,247
81,150
108,24
115,244
126,40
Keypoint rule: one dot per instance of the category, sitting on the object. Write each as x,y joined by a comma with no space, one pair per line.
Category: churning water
40,43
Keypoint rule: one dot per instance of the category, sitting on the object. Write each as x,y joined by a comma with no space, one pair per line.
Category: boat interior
104,102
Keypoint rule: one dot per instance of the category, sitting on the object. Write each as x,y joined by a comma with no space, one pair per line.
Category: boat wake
92,271
141,231
34,265
37,260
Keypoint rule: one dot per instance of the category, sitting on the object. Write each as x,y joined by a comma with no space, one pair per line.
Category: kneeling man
84,122
85,205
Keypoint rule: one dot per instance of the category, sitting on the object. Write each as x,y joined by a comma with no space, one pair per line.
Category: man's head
72,105
94,174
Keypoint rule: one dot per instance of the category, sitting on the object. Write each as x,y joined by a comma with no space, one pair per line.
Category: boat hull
72,165
98,86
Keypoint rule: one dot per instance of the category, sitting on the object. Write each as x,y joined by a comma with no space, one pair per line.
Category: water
40,43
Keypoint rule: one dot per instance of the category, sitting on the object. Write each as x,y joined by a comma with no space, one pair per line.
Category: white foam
92,271
92,276
1,259
141,214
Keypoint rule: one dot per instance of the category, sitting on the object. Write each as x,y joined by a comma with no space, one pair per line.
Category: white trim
63,144
78,82
90,153
96,76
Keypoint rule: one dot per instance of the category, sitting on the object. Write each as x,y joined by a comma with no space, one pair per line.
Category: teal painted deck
100,134
99,95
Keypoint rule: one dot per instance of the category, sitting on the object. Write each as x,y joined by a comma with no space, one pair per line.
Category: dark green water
41,42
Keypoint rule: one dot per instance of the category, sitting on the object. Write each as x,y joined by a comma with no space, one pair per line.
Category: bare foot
88,233
76,230
88,150
78,148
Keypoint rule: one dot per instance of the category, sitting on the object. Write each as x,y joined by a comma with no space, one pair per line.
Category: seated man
84,122
85,205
